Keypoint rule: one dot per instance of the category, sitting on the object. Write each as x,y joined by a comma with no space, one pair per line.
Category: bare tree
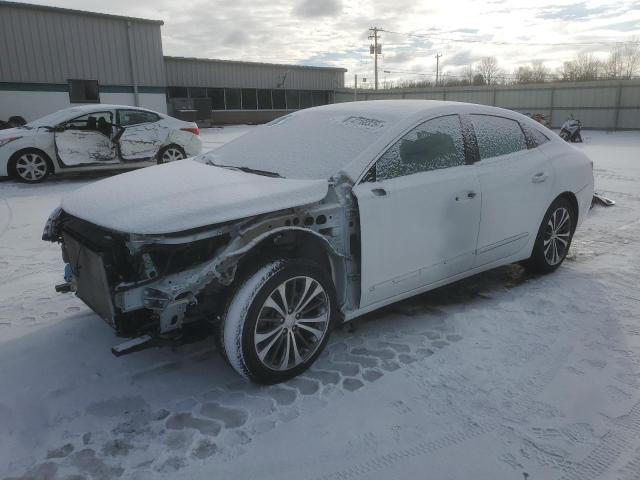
523,74
468,73
539,72
478,79
631,57
614,66
584,67
489,70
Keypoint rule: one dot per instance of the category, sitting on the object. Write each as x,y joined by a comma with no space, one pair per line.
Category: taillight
194,130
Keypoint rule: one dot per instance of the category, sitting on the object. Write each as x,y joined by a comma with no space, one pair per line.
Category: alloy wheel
557,236
172,154
31,167
292,323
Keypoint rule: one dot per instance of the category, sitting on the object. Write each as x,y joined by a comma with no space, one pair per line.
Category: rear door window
497,135
135,117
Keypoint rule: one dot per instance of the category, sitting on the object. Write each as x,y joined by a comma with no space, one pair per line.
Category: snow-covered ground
503,375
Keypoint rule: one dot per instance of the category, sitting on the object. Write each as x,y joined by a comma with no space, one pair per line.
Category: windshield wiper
256,171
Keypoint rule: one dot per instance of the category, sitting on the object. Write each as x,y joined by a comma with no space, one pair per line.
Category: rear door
142,134
86,140
515,179
419,212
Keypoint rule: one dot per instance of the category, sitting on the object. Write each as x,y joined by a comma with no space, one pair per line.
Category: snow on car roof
317,143
75,111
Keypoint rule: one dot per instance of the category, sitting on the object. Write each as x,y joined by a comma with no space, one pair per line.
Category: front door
142,135
419,212
516,187
86,140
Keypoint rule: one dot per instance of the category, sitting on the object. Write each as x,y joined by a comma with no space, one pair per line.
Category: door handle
378,192
471,195
539,177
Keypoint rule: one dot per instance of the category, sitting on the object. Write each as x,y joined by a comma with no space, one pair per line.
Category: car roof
96,107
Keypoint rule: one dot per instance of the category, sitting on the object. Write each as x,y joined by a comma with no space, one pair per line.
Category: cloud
318,8
334,32
573,12
236,38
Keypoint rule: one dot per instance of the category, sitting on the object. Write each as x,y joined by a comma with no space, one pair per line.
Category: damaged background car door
419,212
87,139
142,136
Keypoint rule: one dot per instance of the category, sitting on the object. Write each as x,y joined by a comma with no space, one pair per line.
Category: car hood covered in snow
186,194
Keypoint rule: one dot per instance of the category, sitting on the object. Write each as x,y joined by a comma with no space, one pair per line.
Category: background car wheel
171,153
279,320
30,166
554,238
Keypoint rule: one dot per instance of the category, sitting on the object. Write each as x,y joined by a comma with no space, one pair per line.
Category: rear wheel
279,320
171,153
31,166
554,238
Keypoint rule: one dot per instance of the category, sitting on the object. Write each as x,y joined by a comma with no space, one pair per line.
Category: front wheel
279,320
554,238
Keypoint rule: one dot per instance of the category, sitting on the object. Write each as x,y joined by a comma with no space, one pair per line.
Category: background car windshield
307,144
55,118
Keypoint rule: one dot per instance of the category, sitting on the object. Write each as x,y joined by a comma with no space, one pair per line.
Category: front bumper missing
90,279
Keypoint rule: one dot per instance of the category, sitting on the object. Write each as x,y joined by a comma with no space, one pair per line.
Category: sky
334,32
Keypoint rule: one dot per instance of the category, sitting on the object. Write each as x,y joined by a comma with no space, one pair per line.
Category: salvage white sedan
94,137
317,218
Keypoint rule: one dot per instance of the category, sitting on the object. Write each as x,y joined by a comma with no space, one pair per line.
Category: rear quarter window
497,135
535,136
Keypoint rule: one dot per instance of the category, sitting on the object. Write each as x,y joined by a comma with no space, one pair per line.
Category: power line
494,42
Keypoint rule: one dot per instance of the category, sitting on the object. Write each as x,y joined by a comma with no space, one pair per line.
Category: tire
265,339
564,135
171,153
30,166
554,238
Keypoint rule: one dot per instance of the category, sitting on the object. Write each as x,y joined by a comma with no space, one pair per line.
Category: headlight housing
4,141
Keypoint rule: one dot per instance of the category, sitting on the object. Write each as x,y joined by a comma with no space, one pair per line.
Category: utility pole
375,49
355,90
437,67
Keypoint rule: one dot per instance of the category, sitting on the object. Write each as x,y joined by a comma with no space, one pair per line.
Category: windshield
309,144
54,118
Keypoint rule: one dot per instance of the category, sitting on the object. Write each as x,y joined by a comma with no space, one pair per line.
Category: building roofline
241,62
32,6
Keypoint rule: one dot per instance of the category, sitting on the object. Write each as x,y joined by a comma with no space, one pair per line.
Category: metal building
224,91
51,58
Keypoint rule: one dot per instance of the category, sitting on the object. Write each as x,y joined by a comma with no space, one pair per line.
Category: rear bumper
193,147
584,197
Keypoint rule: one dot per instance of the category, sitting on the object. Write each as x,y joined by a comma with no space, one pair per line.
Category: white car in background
317,218
95,137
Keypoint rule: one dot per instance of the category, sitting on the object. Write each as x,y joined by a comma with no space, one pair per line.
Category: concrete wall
608,104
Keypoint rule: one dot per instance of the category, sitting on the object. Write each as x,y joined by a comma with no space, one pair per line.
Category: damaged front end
136,284
158,283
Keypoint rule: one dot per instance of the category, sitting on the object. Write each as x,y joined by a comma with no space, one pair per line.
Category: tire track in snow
4,228
536,384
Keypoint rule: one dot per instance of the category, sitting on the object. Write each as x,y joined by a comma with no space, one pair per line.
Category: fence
607,104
